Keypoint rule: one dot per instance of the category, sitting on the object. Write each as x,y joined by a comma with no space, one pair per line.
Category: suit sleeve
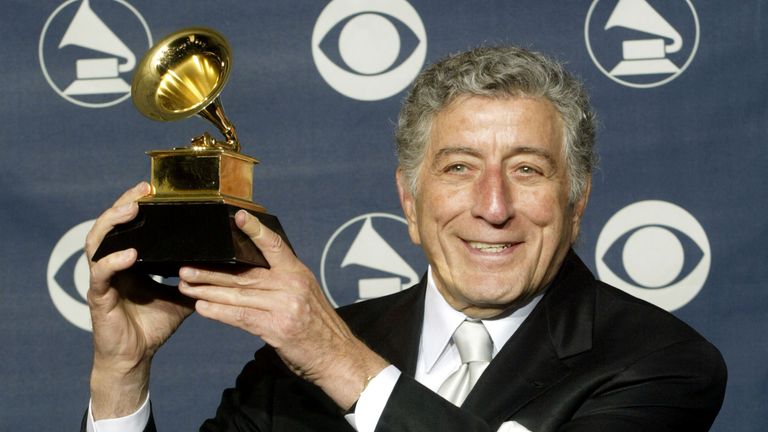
413,407
680,387
248,406
267,396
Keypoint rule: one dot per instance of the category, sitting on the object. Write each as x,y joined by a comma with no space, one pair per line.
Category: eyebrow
447,151
537,152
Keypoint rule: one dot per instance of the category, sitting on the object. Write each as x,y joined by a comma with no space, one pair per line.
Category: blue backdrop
677,213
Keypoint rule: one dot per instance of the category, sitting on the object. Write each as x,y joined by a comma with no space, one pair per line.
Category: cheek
540,207
439,207
435,215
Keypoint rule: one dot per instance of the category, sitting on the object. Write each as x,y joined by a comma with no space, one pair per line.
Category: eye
369,51
527,170
656,251
456,168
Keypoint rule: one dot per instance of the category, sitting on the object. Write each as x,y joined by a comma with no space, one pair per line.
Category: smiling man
507,331
491,205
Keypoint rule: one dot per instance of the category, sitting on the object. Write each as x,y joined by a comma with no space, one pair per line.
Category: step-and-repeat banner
678,213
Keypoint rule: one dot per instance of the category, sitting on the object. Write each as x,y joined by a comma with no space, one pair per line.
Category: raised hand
284,305
132,317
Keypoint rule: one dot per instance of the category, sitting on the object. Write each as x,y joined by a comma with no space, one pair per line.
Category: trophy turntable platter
188,218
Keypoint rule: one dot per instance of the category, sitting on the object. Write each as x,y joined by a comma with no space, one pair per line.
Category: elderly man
508,330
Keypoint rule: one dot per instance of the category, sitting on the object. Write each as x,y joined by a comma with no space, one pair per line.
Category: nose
493,197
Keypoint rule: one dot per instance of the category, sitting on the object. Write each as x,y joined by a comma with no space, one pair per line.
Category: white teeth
489,247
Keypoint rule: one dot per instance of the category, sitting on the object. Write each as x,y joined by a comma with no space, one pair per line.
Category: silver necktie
475,347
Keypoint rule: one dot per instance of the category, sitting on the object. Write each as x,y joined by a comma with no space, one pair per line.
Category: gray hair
498,72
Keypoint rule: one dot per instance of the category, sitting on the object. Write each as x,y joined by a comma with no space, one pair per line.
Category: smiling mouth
490,247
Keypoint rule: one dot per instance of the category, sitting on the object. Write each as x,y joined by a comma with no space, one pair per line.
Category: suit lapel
395,334
533,359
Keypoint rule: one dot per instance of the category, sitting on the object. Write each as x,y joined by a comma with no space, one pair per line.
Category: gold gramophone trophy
188,219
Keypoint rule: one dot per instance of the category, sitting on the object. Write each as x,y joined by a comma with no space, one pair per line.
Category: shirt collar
441,320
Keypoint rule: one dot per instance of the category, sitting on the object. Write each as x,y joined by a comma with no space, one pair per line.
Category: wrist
350,376
117,392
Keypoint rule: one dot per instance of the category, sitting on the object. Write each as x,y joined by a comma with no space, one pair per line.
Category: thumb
274,248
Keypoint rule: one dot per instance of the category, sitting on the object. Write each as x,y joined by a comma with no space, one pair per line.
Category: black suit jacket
588,358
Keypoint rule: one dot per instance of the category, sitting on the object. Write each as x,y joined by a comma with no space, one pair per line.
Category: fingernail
186,272
184,286
241,216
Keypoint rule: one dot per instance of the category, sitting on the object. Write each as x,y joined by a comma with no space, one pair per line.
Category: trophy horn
183,75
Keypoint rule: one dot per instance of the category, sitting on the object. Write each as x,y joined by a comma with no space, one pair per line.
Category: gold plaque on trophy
188,218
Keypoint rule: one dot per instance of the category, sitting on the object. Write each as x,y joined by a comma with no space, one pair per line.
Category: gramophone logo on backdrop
68,276
369,256
88,49
642,43
654,250
369,49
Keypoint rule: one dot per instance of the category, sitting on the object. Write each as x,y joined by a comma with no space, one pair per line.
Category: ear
408,202
578,210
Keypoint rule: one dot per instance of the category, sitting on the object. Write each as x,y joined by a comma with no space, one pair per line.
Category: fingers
123,210
197,276
247,297
281,259
140,190
111,217
248,319
102,271
278,317
274,248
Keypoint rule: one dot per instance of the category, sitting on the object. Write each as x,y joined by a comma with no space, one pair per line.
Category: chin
495,292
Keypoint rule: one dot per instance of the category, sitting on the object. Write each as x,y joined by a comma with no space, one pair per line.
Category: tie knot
473,342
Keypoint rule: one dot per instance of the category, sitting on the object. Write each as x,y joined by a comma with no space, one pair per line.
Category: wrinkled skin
283,305
491,209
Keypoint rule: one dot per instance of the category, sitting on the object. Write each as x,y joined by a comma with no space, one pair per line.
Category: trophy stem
215,114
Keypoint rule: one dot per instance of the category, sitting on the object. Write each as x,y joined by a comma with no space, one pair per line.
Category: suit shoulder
360,314
621,316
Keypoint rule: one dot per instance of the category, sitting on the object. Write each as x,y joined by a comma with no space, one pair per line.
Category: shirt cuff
135,422
373,399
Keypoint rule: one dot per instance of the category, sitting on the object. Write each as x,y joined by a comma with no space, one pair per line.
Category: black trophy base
170,235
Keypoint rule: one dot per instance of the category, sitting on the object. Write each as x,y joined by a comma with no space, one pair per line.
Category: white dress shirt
438,358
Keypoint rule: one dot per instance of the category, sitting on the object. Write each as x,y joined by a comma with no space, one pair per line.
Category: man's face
491,211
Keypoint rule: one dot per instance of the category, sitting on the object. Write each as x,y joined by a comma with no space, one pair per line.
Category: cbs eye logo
369,50
68,276
656,251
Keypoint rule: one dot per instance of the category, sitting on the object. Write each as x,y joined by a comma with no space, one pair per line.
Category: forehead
478,121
